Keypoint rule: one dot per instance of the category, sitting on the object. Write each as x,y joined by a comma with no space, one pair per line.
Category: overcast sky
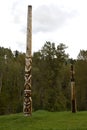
59,21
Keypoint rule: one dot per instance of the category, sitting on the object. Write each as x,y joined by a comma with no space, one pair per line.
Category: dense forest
51,88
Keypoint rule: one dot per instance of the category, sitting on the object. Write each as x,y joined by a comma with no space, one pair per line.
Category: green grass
43,120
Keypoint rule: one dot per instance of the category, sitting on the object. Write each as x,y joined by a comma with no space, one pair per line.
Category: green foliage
43,120
82,55
50,79
81,84
81,80
11,82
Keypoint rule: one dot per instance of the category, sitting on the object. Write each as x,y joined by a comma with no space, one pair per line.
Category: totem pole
73,94
27,106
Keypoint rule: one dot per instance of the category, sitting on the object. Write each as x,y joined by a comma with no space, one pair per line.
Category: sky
58,21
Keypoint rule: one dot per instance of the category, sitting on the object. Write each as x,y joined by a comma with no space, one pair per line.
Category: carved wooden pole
73,94
27,106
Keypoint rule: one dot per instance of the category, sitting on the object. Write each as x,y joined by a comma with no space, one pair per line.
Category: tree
82,55
11,81
81,83
48,66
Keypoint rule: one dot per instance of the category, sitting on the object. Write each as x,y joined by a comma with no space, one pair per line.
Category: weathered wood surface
28,66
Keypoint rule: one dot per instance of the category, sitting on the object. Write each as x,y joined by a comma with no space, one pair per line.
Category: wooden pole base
73,106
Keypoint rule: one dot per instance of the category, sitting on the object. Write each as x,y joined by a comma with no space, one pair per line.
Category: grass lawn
43,120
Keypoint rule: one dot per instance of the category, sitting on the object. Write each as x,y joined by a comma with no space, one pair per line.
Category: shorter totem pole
73,94
27,106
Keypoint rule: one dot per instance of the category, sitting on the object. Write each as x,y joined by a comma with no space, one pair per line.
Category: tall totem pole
27,106
73,94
